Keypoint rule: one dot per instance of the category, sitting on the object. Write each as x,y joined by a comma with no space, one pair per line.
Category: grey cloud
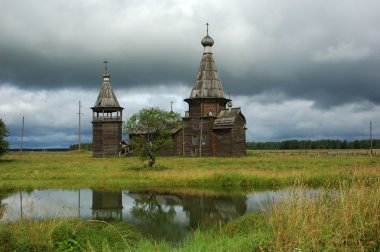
313,57
318,50
51,118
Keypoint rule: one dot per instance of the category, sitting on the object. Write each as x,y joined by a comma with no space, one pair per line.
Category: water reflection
210,209
159,216
169,216
107,206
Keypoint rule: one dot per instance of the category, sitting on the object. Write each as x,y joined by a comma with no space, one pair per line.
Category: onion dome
207,41
229,104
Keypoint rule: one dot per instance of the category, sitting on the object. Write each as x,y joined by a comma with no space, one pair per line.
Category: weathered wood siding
106,138
238,137
223,142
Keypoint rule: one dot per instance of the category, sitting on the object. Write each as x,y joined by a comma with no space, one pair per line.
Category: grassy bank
81,170
347,219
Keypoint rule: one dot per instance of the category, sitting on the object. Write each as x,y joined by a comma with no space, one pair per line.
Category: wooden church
211,126
106,121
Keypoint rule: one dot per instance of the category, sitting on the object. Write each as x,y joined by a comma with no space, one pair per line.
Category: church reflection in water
107,205
161,215
200,209
164,215
203,210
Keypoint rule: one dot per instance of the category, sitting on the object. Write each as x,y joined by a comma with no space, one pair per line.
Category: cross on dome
105,64
207,41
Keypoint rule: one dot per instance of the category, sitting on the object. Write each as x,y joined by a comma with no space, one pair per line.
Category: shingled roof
226,118
207,82
106,97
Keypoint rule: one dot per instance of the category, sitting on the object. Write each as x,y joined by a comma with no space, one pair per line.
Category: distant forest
313,144
83,146
291,145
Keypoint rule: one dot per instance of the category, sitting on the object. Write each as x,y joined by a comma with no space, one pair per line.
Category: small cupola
207,42
106,105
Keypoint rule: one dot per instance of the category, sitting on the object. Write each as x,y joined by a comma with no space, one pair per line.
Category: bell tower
106,121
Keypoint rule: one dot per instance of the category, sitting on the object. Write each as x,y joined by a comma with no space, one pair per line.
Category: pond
160,214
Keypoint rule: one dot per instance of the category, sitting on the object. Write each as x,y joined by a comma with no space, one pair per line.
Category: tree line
313,144
83,146
290,145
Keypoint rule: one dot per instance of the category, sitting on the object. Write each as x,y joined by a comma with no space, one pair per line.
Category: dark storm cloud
34,72
324,51
327,85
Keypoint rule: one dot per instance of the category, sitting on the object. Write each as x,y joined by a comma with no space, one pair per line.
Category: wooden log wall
106,138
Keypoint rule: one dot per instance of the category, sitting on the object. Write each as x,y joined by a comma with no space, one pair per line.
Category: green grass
345,216
344,220
80,170
67,235
347,219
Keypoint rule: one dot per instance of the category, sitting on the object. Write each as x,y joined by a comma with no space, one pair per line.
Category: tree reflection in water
157,215
154,215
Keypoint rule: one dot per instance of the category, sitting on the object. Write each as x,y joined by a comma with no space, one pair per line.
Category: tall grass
346,220
66,235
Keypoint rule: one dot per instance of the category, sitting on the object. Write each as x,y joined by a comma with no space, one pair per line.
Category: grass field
347,220
80,170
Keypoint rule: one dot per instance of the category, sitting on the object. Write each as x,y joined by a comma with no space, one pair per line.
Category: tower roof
207,82
106,97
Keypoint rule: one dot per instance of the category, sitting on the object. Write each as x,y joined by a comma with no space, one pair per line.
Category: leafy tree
3,134
151,129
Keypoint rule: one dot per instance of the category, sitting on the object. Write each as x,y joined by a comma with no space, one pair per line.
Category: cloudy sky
299,69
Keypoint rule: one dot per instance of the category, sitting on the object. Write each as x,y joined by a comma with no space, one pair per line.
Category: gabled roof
106,97
226,118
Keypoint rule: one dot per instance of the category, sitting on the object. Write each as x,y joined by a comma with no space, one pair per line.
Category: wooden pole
183,138
79,203
21,213
22,137
79,129
370,137
200,141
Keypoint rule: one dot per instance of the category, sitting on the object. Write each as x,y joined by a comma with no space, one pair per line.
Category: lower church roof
226,118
